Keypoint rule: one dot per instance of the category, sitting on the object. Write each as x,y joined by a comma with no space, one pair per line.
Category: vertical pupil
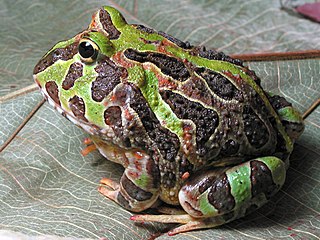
86,50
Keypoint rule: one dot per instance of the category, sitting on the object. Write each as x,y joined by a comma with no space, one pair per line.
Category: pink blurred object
310,10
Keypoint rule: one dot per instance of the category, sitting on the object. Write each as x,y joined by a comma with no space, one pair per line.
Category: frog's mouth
90,128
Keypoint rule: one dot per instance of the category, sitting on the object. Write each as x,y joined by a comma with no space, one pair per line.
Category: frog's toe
110,183
89,148
188,223
109,188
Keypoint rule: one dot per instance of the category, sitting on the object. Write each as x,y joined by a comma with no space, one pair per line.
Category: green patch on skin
277,168
82,88
290,114
132,38
205,207
240,183
150,91
104,44
116,17
143,181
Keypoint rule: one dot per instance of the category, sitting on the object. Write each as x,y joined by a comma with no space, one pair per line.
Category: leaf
48,188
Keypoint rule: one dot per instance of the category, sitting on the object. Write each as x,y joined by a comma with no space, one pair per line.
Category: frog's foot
170,210
188,223
90,147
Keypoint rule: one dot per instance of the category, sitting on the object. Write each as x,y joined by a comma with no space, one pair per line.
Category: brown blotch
107,25
75,72
212,54
176,41
77,106
167,142
112,116
108,78
220,194
261,179
53,91
153,170
219,84
58,54
255,130
205,119
170,66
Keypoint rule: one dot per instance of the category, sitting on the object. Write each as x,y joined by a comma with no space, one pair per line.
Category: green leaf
48,188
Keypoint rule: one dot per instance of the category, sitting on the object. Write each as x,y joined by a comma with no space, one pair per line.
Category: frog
192,127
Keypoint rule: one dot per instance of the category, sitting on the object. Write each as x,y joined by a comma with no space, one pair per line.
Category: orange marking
118,58
88,150
185,175
87,141
113,98
133,175
128,115
138,155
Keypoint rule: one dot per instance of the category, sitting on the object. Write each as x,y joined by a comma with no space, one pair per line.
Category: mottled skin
191,126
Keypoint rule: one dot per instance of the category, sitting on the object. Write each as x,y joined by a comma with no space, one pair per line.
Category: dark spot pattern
112,116
176,41
166,141
205,119
254,129
108,78
134,191
179,43
75,72
278,102
58,54
261,179
185,166
281,148
53,91
219,84
230,148
144,29
153,170
168,65
212,54
77,106
220,194
107,24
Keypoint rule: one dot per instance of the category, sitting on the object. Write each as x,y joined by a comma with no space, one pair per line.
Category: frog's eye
88,50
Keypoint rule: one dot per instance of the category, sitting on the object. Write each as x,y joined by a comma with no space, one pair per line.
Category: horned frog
192,127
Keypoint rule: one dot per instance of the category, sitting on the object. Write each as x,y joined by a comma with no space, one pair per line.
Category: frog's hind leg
139,184
214,197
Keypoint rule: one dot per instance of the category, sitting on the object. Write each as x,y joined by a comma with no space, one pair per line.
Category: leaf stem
34,110
19,92
311,108
278,56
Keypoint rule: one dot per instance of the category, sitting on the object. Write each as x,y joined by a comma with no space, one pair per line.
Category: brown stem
311,108
278,56
34,110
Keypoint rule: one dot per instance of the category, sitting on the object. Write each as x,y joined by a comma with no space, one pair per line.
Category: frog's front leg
139,184
218,196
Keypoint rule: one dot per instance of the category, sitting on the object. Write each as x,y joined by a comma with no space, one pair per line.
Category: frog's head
76,75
